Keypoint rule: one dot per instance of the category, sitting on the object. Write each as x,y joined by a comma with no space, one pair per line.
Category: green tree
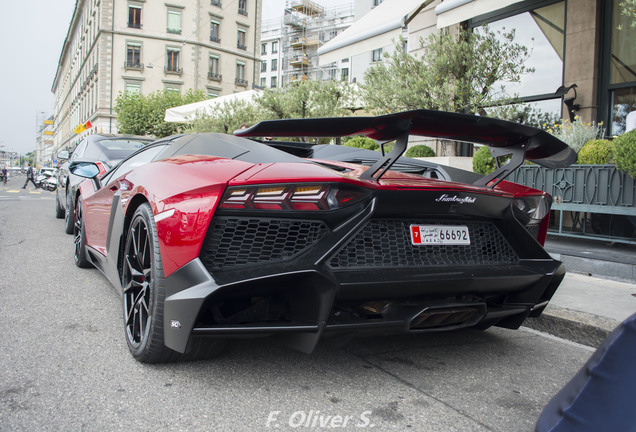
298,99
457,73
227,118
140,114
628,8
306,99
420,150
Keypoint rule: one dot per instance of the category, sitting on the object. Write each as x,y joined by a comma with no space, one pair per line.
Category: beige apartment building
114,46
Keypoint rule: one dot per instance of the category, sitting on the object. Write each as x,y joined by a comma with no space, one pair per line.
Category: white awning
455,11
185,113
374,30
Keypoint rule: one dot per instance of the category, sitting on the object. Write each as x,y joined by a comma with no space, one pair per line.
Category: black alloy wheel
59,210
143,290
143,298
79,238
69,218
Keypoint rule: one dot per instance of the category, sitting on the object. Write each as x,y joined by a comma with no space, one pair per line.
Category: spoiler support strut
517,153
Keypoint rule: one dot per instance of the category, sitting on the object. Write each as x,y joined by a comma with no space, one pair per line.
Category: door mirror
63,154
84,169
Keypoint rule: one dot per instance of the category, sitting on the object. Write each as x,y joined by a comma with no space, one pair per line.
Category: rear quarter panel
183,193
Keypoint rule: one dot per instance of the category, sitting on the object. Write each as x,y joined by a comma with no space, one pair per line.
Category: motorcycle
50,184
46,180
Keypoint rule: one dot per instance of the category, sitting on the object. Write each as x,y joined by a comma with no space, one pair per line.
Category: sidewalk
598,291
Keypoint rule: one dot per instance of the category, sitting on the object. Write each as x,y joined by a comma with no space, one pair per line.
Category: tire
59,210
79,239
144,294
69,217
144,290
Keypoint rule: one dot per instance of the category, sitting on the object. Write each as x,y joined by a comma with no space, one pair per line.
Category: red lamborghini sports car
210,236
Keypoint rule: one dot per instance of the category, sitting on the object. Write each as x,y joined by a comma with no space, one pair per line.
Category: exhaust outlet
448,317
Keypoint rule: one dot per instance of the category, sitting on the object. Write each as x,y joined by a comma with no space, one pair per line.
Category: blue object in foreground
602,395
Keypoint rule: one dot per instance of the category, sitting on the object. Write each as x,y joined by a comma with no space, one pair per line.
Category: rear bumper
301,306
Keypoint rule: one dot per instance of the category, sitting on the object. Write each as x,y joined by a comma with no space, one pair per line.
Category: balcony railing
133,66
241,46
241,82
172,70
242,11
134,25
215,76
216,3
214,38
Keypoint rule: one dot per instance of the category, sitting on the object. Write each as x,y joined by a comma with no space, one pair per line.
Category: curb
581,327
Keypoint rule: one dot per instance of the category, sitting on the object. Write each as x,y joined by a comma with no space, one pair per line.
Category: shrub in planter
624,148
363,142
420,151
483,162
598,151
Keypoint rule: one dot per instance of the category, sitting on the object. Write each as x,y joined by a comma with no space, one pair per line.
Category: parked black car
104,149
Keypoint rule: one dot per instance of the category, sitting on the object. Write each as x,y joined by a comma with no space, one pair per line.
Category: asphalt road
65,365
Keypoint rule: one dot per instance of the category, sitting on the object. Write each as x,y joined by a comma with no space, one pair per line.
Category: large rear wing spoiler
502,137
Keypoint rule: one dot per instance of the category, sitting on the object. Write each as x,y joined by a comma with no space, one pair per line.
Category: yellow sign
48,132
48,122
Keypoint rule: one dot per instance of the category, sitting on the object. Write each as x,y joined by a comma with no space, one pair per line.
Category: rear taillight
304,197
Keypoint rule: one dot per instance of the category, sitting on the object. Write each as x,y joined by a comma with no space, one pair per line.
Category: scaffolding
306,27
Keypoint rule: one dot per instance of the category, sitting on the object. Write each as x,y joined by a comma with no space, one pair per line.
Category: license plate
440,235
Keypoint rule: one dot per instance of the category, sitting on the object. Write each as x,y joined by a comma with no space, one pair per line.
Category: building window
172,89
542,29
344,74
264,66
240,44
274,47
215,31
377,55
131,87
216,3
134,16
274,65
274,82
242,7
240,75
263,82
133,56
263,48
172,61
174,22
377,2
621,62
214,73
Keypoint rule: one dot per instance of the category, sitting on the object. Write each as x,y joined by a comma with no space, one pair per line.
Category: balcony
215,76
299,61
214,38
216,3
241,46
172,70
133,66
241,82
242,11
298,42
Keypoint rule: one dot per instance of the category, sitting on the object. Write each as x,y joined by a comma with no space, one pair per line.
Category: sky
31,54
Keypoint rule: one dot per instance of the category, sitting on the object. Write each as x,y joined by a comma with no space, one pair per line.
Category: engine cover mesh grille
387,243
234,241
